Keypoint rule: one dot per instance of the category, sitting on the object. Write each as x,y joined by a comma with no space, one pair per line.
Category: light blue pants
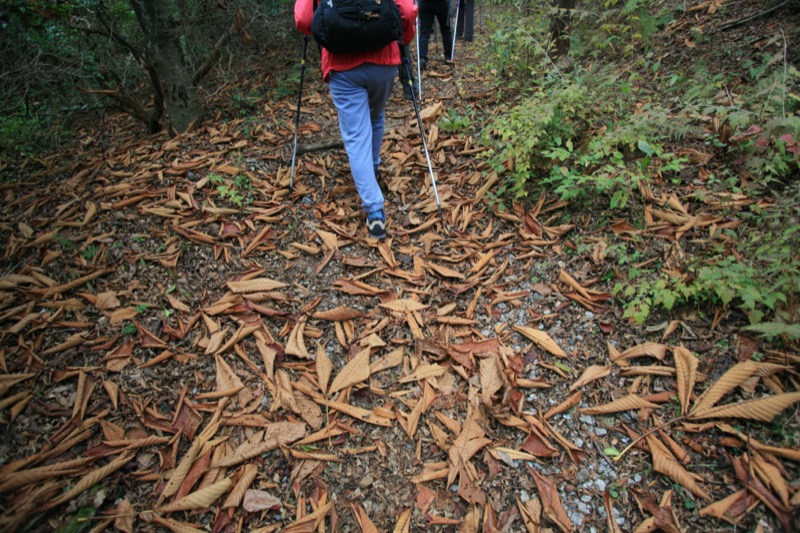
360,95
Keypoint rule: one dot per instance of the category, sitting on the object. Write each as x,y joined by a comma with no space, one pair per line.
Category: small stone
366,481
579,442
600,432
583,508
576,518
583,475
587,419
586,498
637,478
600,485
99,498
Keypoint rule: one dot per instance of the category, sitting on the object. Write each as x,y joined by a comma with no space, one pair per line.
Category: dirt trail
174,321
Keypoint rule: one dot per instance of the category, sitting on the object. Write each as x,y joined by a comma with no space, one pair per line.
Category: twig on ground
326,144
644,436
603,454
747,19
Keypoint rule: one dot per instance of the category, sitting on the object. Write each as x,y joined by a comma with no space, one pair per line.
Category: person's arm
303,13
408,13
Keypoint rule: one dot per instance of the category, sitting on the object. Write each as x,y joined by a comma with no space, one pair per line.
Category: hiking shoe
376,224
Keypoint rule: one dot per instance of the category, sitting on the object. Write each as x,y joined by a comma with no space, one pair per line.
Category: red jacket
388,55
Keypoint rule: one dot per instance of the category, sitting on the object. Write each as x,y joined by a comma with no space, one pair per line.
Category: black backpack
356,26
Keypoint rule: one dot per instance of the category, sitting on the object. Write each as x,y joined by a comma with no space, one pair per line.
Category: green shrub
516,55
568,137
771,151
28,136
238,191
603,168
455,122
518,139
726,282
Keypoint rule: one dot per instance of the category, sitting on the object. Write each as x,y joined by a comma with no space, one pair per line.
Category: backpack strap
312,14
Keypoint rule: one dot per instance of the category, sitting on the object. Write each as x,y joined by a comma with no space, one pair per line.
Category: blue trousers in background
360,95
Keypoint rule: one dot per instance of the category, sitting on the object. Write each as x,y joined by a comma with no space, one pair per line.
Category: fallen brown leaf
551,502
542,339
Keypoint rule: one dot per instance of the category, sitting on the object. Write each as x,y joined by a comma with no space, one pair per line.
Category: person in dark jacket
430,10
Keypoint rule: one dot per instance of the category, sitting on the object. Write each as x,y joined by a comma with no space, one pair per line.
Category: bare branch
212,58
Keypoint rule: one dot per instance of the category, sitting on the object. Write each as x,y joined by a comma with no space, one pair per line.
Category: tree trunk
169,74
560,27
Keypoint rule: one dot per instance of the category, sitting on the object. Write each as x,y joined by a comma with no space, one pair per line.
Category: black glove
405,66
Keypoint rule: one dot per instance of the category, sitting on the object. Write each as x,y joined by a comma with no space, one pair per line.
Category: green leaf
78,522
611,452
645,147
668,300
725,293
776,329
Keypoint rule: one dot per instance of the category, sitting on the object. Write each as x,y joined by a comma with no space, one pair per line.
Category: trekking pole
405,61
455,30
297,116
419,68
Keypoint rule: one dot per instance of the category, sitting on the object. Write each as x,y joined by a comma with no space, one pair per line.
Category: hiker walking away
465,25
360,84
428,11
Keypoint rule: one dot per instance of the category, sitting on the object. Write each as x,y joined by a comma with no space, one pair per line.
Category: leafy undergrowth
189,345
